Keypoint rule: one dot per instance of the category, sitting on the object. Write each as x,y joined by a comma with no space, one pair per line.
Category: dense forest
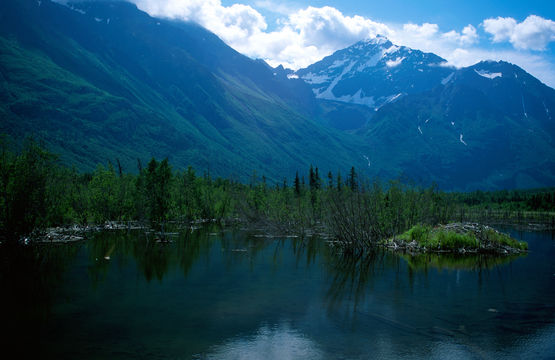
37,192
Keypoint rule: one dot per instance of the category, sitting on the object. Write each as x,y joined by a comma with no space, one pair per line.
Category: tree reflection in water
30,277
352,275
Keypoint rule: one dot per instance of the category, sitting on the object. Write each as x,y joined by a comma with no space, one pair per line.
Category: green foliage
498,238
443,239
23,188
103,194
514,200
158,177
36,193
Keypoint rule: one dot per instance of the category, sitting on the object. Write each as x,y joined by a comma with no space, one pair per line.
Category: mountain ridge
136,86
103,81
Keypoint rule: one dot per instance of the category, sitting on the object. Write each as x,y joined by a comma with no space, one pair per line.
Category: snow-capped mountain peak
373,72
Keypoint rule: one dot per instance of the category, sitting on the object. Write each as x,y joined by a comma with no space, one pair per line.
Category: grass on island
444,239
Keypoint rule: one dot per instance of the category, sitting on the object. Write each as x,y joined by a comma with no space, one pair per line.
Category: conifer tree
311,179
352,181
297,185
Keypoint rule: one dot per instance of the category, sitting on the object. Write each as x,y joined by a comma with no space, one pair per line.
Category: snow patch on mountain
373,61
546,110
396,62
446,80
338,63
357,98
80,11
462,141
487,74
392,98
391,50
367,159
314,79
378,40
328,93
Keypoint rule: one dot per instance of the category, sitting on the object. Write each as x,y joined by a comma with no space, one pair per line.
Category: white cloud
307,35
328,27
424,31
304,36
235,23
501,28
427,37
534,33
272,6
469,36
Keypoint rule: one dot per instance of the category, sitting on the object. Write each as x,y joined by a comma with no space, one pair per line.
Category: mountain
102,81
374,72
485,126
489,126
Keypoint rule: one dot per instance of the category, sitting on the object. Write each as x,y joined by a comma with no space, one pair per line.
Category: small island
456,238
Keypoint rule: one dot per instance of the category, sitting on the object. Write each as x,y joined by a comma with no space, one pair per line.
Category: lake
234,294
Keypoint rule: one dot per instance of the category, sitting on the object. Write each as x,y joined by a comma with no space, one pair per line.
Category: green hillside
140,87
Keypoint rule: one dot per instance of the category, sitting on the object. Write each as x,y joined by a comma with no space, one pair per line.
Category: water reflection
352,275
153,254
350,272
471,262
226,293
30,278
270,342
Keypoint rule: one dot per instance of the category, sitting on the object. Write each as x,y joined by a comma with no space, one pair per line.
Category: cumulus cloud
235,23
328,26
303,36
468,36
428,37
534,33
307,35
424,31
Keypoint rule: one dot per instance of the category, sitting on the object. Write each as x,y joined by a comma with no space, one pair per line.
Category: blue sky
442,12
298,33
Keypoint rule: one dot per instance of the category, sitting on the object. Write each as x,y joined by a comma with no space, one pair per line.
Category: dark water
233,295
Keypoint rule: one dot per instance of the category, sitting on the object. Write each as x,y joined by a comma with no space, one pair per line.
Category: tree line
36,192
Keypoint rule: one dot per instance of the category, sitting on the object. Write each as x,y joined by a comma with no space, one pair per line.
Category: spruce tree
297,185
311,179
352,181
